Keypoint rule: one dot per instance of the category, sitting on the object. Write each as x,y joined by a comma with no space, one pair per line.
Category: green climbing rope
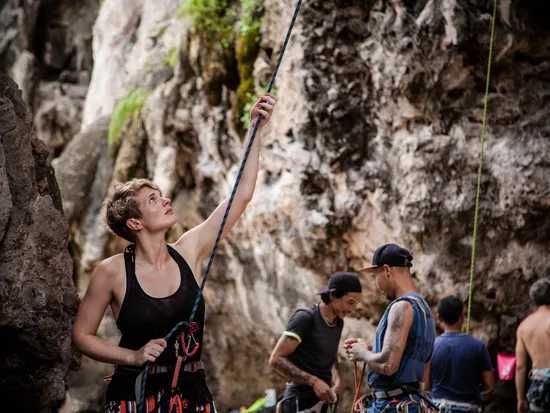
479,173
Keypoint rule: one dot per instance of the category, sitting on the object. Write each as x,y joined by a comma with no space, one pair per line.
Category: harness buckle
192,367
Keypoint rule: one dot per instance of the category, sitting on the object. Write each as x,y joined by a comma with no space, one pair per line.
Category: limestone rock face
376,139
38,299
46,47
8,28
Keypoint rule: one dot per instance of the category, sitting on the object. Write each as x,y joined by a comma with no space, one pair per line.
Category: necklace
325,320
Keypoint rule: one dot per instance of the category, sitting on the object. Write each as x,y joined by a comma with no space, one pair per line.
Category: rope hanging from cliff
480,169
233,192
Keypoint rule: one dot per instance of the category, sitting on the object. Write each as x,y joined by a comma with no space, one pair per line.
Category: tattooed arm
387,361
281,364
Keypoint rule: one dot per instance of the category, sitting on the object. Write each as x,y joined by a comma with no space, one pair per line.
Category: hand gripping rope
144,373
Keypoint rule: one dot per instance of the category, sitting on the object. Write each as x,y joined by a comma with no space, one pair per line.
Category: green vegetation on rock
171,58
247,48
128,107
213,18
214,21
250,19
160,31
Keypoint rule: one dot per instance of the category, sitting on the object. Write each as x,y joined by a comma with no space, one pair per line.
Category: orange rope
358,383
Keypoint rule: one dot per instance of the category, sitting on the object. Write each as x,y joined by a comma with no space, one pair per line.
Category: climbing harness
359,403
401,406
143,375
480,169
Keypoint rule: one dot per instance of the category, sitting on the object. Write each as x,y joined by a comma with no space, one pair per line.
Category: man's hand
523,406
264,106
149,352
323,391
337,387
338,390
357,349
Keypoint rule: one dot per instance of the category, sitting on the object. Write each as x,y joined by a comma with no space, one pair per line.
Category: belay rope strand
358,383
480,170
233,192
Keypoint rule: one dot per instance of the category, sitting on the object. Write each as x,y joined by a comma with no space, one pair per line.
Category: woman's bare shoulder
110,268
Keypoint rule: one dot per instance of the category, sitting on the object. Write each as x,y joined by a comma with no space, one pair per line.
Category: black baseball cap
346,282
392,255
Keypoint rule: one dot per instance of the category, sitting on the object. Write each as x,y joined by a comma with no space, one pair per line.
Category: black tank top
143,318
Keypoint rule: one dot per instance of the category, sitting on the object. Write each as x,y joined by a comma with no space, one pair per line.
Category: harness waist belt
192,367
387,394
464,406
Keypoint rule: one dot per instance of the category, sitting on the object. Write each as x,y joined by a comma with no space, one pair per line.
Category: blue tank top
418,350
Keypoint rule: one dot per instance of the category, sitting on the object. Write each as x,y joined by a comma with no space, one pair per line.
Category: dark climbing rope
233,192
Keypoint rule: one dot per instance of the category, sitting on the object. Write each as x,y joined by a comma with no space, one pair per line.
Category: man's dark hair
335,293
540,292
450,309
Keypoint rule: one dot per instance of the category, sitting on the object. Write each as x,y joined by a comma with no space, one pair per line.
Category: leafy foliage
250,20
214,18
171,58
128,107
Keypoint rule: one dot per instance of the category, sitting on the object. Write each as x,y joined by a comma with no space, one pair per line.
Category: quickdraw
188,342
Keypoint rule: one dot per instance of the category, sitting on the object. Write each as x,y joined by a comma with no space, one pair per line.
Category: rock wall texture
38,299
375,139
46,47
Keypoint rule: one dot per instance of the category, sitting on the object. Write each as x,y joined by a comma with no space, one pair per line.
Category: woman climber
151,287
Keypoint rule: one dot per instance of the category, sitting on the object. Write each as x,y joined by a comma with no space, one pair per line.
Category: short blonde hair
123,206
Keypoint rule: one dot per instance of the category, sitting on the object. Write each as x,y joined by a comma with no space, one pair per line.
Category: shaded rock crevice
38,300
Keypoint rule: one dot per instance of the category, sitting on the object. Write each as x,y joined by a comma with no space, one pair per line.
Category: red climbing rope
358,383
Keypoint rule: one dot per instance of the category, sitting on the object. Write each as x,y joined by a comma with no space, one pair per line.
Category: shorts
451,406
539,391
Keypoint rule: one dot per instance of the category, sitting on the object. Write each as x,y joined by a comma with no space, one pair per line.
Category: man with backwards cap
404,338
306,352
